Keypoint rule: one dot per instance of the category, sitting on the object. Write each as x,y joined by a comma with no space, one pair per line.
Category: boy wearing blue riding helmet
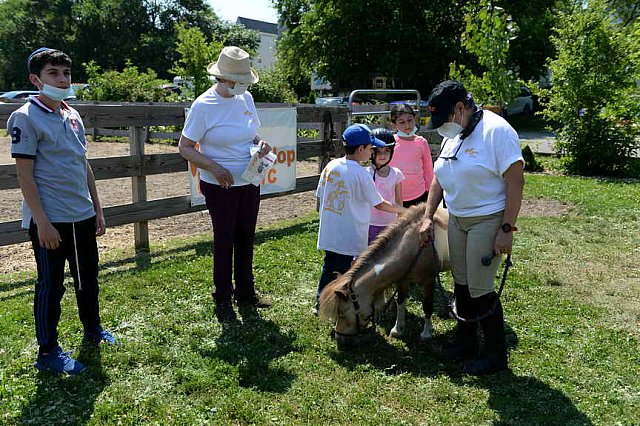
346,193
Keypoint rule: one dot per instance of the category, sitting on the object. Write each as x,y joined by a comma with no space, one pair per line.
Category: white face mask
450,129
238,89
55,93
407,135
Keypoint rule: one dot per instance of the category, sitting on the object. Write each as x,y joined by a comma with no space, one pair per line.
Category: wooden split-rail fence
138,117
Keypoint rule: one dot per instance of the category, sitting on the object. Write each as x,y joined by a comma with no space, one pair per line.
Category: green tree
594,93
26,25
487,34
109,32
529,51
195,54
411,41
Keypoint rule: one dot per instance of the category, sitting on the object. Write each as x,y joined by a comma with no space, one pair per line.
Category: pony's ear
342,293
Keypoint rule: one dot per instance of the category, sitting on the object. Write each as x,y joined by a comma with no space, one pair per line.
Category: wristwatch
506,227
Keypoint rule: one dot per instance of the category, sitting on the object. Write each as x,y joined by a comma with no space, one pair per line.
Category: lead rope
447,301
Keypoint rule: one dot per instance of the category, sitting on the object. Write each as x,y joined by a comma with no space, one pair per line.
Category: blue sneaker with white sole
100,335
59,362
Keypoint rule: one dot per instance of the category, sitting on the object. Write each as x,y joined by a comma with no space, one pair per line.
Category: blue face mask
407,135
55,93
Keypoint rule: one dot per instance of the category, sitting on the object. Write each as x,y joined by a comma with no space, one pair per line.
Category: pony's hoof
395,333
427,331
425,337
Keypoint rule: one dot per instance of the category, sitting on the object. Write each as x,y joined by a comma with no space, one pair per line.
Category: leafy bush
594,96
129,85
273,87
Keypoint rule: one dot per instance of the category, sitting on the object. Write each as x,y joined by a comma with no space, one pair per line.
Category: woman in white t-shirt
388,181
219,132
480,173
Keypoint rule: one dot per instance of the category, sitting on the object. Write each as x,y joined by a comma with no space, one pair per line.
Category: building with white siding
266,55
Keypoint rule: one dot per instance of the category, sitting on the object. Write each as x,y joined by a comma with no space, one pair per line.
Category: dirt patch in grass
19,258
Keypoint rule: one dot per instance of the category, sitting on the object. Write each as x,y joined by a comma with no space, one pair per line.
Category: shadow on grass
419,358
523,400
251,346
518,400
61,399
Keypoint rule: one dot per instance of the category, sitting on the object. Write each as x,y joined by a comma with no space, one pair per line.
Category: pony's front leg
401,316
428,292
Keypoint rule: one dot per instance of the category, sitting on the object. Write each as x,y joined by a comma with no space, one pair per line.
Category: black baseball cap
442,100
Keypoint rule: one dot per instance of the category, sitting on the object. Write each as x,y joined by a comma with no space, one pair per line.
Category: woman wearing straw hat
223,121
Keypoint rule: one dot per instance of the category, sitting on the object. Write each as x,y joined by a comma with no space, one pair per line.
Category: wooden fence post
137,138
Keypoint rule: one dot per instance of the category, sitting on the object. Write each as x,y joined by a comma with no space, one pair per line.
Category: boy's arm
48,236
101,225
386,206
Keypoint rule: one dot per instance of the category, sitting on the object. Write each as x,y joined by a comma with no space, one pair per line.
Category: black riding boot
466,344
494,354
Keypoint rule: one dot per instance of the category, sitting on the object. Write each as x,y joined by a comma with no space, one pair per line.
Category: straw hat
233,64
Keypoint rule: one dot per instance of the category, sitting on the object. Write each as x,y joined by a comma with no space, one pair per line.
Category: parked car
332,100
412,102
523,104
18,94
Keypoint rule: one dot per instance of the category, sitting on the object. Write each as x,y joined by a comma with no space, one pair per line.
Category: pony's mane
408,218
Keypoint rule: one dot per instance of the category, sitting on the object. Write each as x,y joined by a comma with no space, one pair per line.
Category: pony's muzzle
346,342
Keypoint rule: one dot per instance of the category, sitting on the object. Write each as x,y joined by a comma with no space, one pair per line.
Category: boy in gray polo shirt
61,208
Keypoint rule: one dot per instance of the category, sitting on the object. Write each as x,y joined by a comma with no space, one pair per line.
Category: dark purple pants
234,213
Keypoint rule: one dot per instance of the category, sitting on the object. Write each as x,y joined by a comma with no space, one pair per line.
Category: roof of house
253,24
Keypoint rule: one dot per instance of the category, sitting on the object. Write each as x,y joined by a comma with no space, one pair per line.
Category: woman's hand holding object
222,175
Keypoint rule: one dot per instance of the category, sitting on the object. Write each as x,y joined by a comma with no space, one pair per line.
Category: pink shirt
386,187
413,158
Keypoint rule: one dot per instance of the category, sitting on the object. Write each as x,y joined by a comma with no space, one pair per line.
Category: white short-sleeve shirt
473,184
225,129
346,193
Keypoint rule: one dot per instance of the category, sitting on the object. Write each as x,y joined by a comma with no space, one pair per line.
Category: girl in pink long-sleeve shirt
412,156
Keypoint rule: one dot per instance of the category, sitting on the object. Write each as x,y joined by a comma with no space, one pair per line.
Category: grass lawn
571,306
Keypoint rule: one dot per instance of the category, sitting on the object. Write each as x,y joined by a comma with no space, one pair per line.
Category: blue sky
254,9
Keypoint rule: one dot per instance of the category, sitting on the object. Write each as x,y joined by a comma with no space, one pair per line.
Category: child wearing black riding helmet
388,181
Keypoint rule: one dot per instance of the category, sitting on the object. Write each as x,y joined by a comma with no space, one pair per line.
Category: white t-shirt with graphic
225,129
386,186
473,184
346,193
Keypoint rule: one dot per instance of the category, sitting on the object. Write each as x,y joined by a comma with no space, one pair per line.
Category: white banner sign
278,128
